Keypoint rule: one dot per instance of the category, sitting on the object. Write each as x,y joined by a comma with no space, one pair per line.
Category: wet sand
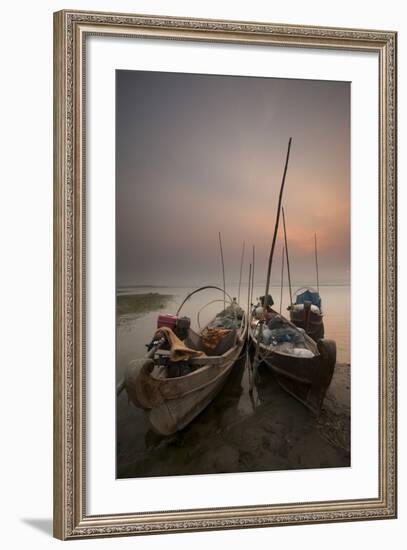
236,433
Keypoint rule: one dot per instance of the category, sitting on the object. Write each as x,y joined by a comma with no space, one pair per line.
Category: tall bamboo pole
260,333
273,244
253,260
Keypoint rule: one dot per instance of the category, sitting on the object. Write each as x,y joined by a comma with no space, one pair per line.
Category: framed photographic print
225,274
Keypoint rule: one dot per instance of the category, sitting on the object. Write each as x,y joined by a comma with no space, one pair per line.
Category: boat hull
312,323
172,403
306,379
175,414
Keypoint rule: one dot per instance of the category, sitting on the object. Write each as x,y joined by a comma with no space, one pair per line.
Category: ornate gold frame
70,31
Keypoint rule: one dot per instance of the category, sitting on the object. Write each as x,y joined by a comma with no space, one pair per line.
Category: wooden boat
306,312
173,393
302,367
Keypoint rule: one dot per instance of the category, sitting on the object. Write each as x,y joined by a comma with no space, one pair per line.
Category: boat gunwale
240,341
228,366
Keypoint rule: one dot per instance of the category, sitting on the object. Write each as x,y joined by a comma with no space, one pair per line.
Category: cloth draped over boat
178,350
308,296
211,336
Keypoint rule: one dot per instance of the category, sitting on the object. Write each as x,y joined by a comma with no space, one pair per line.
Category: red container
167,320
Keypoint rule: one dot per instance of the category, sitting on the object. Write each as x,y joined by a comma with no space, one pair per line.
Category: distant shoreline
138,304
121,289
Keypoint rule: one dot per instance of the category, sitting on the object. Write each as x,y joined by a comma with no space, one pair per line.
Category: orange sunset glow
199,154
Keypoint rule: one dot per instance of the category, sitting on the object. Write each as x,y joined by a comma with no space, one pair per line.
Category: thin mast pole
316,260
253,259
240,276
248,290
288,262
282,277
223,271
277,222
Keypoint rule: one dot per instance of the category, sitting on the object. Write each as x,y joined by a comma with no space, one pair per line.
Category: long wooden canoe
171,403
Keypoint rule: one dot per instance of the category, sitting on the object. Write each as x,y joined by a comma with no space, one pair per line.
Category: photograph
233,274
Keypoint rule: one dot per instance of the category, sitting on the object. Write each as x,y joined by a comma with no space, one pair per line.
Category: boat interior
282,336
215,340
225,341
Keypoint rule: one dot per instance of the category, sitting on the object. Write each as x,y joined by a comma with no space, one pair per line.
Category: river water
262,445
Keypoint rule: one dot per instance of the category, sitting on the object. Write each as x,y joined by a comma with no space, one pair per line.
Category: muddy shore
237,433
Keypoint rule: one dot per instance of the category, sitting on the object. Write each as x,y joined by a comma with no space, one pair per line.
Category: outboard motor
266,301
182,327
179,325
163,320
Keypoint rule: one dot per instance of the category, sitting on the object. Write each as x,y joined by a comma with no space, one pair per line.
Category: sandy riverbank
235,433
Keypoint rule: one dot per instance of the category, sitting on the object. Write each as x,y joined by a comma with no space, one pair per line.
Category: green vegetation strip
141,303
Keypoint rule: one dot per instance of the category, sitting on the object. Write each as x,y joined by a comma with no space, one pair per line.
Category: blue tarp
309,296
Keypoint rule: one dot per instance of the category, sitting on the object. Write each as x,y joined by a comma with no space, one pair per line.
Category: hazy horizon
199,154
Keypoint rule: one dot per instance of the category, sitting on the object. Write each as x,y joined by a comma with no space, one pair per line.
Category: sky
199,154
